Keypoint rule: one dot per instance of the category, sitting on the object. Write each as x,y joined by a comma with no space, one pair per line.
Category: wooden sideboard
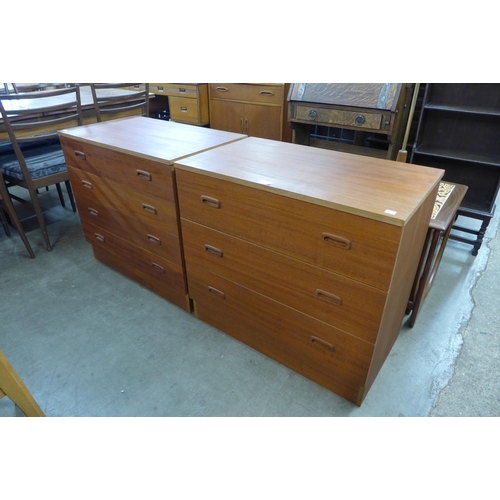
123,181
305,254
258,110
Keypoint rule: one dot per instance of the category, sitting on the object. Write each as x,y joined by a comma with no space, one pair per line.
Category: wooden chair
6,204
35,87
113,98
35,158
13,387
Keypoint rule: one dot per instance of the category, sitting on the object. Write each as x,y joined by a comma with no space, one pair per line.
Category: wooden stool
448,200
12,386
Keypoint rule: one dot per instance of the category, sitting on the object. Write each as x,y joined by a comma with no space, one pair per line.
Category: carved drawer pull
93,211
184,109
158,268
221,89
87,184
213,250
144,175
81,155
330,297
99,237
266,93
322,343
216,293
154,239
149,208
337,241
210,202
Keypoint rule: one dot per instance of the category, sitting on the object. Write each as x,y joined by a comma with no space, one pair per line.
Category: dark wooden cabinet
459,131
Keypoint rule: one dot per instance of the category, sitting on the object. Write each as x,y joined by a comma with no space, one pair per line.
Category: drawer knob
322,343
313,114
213,250
87,185
338,241
144,175
216,293
80,155
210,202
158,268
99,237
93,212
330,297
159,89
359,120
154,239
149,208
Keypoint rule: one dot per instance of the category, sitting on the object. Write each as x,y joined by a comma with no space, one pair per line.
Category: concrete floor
89,342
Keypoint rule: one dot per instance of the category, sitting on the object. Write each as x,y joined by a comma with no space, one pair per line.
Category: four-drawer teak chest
305,254
122,175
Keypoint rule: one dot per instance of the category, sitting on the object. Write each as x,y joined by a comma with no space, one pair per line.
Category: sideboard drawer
339,118
341,302
174,89
347,244
326,355
138,173
264,94
183,109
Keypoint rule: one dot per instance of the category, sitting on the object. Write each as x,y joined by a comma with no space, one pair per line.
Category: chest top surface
158,140
383,190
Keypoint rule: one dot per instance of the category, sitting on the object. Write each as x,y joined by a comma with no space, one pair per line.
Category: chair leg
59,192
5,223
70,195
11,212
41,220
12,386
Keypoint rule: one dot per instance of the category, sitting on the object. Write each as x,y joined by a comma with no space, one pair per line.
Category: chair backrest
37,116
33,87
120,98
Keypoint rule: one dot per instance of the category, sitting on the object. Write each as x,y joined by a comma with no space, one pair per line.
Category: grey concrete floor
89,342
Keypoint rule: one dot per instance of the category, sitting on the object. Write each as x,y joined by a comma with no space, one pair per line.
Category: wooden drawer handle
266,92
149,208
93,212
159,89
154,239
80,155
330,297
144,175
338,241
216,293
87,184
184,109
99,237
322,343
158,268
181,89
221,89
210,202
213,250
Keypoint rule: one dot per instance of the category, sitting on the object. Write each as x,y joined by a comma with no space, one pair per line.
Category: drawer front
337,117
320,352
341,302
264,94
174,89
153,239
350,245
137,173
166,286
154,211
183,109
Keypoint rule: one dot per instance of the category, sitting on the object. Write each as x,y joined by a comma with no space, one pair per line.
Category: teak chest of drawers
304,254
122,176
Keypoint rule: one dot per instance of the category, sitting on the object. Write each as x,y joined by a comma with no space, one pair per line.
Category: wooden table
87,105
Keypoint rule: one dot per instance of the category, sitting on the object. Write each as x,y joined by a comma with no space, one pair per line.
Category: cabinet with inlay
305,254
122,176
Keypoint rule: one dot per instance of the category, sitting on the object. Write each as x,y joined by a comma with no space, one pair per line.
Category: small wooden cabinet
122,176
256,110
187,102
305,254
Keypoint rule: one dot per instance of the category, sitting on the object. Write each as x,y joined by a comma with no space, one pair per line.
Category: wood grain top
158,140
379,189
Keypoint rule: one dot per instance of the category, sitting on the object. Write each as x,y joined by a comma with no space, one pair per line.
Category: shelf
473,110
457,155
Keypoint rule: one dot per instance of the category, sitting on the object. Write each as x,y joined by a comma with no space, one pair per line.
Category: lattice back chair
6,204
36,158
113,98
34,87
